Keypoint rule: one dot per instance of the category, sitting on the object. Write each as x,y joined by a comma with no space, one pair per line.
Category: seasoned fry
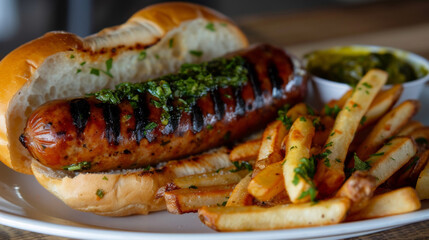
340,102
330,168
399,201
409,128
381,104
270,146
359,188
187,200
422,185
246,151
299,184
240,196
251,218
409,173
421,136
323,131
390,158
387,127
273,136
268,183
224,176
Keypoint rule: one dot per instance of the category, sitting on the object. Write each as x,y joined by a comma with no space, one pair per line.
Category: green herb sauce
349,65
192,82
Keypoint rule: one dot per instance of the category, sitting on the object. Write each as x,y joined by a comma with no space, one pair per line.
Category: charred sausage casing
107,136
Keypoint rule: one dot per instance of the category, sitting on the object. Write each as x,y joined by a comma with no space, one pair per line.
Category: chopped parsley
71,56
142,55
196,53
147,168
302,119
412,163
241,166
363,120
306,170
192,82
227,96
210,26
127,117
150,126
224,24
105,178
293,147
310,110
332,111
209,127
287,121
367,85
318,125
78,166
193,187
82,63
377,154
269,137
217,171
360,165
324,156
347,108
100,193
332,133
78,71
329,144
171,43
95,71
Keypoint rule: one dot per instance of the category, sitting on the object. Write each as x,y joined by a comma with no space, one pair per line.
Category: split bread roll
155,41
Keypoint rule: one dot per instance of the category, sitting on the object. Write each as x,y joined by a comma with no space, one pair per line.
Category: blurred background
283,22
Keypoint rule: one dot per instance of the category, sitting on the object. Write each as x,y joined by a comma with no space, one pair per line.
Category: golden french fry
298,147
273,136
269,151
251,218
240,196
330,168
422,185
224,176
409,173
267,183
381,104
399,201
359,188
390,158
187,200
245,151
409,128
387,127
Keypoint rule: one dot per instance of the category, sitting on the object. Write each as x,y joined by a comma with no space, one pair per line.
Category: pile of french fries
359,158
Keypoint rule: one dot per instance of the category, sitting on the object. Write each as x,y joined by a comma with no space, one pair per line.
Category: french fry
298,147
280,199
399,201
330,169
251,218
268,183
390,158
387,127
269,151
224,176
273,136
359,188
340,102
322,134
422,185
409,173
409,128
240,196
245,151
187,200
381,104
421,136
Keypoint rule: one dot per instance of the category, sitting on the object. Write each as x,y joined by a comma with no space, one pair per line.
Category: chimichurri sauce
349,66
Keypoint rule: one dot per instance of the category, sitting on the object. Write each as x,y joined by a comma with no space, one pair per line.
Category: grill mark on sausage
253,78
239,102
197,119
80,112
219,105
141,112
174,120
111,116
275,79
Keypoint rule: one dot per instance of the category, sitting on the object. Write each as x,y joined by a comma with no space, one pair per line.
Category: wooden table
401,24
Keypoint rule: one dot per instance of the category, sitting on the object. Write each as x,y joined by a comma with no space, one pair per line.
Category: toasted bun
58,65
123,193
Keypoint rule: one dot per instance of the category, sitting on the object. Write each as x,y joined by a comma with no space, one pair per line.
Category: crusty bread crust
123,193
59,64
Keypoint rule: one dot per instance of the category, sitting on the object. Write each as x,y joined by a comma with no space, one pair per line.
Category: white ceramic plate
26,205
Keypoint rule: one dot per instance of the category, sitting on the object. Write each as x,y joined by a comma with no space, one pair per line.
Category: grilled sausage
98,136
